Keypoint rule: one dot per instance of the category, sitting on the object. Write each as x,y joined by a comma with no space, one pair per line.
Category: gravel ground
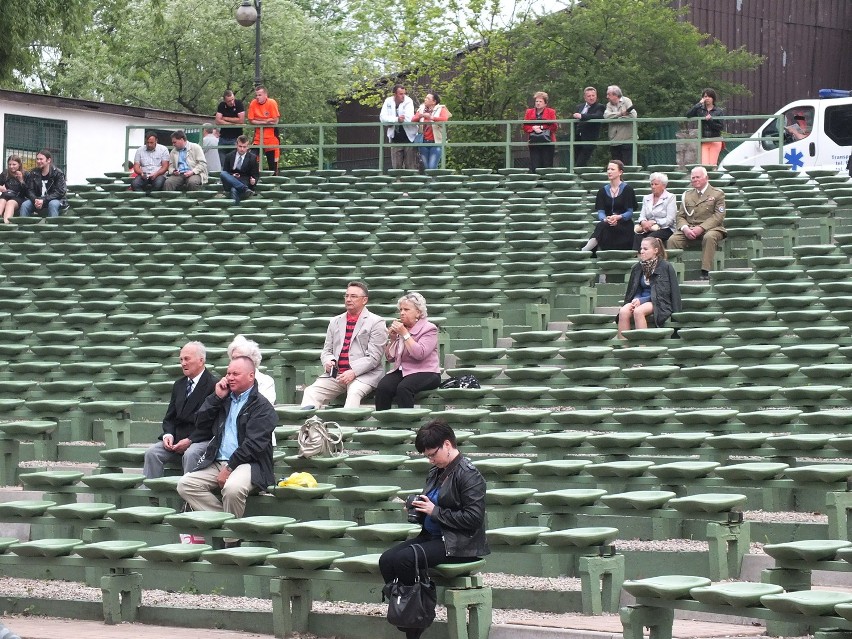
73,591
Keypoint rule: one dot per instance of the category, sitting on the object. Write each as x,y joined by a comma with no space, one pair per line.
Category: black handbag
412,606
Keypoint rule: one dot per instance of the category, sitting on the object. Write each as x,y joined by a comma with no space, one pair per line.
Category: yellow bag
299,480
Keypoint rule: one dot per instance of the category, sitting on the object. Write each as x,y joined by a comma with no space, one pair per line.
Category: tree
31,29
646,47
181,57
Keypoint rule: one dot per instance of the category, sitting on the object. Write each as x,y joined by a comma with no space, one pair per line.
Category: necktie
239,163
585,108
188,386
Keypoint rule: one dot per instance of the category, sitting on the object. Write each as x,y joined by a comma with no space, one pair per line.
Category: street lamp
247,15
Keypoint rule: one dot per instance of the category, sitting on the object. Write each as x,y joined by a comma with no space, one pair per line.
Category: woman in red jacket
541,136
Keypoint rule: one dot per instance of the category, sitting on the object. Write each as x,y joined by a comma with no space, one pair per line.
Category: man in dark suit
241,171
588,127
188,394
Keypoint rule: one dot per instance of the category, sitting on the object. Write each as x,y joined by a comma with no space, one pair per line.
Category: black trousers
397,562
663,234
582,154
623,152
394,386
541,156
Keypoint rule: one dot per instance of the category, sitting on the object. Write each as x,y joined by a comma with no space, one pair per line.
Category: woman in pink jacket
412,350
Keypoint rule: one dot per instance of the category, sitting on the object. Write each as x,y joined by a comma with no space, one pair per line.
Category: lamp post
249,14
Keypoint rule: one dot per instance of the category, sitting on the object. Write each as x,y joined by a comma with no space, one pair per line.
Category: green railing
347,145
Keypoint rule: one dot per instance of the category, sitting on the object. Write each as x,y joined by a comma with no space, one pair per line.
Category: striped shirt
343,358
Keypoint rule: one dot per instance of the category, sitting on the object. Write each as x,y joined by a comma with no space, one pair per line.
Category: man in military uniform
700,218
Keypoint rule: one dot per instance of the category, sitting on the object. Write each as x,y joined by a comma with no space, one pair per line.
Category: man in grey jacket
352,353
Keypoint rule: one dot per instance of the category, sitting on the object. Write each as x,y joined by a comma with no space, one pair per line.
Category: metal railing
321,143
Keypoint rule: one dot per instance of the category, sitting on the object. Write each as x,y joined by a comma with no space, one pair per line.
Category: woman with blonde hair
542,136
652,289
412,350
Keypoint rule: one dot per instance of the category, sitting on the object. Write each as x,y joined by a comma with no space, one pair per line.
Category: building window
26,136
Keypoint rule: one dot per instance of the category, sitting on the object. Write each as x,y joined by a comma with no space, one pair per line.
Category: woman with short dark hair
451,510
711,126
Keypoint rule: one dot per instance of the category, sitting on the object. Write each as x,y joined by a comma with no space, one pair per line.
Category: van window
838,124
798,123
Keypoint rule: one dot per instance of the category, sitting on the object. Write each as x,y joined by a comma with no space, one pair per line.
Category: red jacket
547,114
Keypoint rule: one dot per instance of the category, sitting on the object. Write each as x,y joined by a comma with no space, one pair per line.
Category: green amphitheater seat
707,503
384,533
619,469
145,515
670,587
112,550
515,535
305,559
174,553
87,511
638,499
812,603
683,469
570,497
320,529
811,550
737,594
46,547
751,471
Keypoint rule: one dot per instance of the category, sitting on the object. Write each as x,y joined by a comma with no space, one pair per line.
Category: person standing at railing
620,107
433,136
711,126
229,111
588,127
263,110
398,111
541,136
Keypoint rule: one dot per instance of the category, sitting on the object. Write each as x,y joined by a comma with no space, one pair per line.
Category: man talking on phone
238,459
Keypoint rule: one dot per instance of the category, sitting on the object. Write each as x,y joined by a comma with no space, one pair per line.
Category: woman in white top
433,136
659,209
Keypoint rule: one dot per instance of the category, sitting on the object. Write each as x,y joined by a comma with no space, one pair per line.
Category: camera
414,516
335,370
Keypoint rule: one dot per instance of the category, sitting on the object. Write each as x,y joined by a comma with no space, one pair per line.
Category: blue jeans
236,187
431,155
53,207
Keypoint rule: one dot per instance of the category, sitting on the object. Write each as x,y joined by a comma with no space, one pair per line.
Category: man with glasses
351,355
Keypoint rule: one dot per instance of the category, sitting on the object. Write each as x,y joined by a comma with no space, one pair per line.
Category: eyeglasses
352,297
433,454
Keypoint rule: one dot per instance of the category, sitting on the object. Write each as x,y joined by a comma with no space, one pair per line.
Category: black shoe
414,633
705,275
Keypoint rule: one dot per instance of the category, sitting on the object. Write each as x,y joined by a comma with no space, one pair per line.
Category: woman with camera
412,350
451,510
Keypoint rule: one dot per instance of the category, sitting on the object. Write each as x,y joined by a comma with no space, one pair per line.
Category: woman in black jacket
451,511
12,189
711,126
651,290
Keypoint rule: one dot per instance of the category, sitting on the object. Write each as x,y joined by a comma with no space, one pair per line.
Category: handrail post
780,127
699,138
508,159
634,161
321,154
381,147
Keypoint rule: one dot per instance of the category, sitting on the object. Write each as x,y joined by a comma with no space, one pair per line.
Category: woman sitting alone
651,290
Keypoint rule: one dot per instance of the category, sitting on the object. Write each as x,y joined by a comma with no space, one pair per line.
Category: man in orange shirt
263,110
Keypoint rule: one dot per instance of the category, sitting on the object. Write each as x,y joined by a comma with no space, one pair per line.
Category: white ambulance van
817,135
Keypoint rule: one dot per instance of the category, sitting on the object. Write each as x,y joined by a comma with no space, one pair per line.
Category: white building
87,139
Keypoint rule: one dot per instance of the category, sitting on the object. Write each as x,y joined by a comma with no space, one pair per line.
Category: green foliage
32,29
660,60
181,57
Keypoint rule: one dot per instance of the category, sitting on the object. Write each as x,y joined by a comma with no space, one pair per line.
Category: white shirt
390,115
